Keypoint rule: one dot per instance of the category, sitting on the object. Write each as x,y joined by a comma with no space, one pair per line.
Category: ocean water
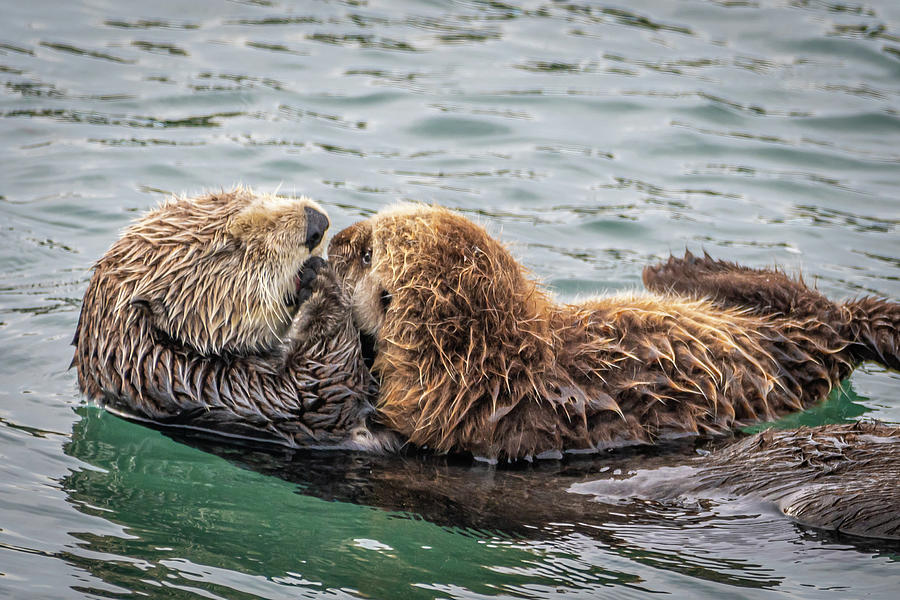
593,137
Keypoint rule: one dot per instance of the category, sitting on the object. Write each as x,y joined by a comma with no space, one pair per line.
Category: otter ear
146,306
249,221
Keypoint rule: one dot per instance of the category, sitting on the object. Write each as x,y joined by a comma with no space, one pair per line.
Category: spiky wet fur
184,323
474,355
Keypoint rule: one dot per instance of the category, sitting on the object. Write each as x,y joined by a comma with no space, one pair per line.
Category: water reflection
186,516
328,522
594,138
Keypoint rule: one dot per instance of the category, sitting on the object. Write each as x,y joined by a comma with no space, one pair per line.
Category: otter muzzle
316,226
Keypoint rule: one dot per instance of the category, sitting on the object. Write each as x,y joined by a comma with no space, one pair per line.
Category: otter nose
316,226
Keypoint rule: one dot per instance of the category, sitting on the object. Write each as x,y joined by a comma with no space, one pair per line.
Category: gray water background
593,137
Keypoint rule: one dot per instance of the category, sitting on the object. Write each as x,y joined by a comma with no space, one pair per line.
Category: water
593,137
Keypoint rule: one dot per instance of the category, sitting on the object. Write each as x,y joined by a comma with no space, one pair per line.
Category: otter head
451,312
426,266
219,273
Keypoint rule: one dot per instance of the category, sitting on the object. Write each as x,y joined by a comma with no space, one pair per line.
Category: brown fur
475,356
837,477
191,319
870,325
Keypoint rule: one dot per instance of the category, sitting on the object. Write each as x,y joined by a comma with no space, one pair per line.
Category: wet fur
870,326
475,356
184,323
836,477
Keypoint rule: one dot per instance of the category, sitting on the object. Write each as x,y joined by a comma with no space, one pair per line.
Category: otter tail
868,327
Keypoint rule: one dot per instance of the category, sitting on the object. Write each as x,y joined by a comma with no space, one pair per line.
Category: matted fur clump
473,355
218,313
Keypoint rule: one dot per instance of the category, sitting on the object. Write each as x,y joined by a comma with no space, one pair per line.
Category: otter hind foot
763,291
869,328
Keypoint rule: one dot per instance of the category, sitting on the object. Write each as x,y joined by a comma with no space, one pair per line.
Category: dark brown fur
475,356
191,319
870,325
837,477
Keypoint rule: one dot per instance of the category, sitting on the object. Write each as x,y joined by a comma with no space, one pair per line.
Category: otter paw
323,304
307,278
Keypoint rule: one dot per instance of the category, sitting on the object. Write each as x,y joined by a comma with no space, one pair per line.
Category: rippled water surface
593,137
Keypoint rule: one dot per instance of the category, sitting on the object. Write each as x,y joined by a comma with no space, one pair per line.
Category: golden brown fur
474,355
216,313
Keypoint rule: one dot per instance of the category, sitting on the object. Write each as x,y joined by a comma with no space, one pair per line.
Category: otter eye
367,258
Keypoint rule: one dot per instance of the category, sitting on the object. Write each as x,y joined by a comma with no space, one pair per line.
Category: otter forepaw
308,276
323,305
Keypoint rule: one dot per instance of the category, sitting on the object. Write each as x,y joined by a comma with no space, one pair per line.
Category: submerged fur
836,477
475,356
215,313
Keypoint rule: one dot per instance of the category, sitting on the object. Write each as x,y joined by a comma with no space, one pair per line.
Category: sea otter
218,313
475,356
836,477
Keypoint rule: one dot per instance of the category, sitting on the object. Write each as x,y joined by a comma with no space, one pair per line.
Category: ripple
276,20
784,141
13,48
450,127
275,47
784,175
830,217
890,260
157,48
150,24
69,49
236,82
141,142
492,112
97,118
861,30
360,41
577,149
622,17
512,173
32,431
622,183
48,90
297,114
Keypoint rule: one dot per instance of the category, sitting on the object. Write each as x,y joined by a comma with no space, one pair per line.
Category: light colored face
352,253
219,273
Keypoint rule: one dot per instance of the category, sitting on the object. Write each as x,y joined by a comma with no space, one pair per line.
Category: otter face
219,273
355,258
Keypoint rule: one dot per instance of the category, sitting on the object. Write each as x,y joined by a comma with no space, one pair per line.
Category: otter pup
218,313
475,356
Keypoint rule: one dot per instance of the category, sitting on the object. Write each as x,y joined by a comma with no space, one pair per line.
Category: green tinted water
593,137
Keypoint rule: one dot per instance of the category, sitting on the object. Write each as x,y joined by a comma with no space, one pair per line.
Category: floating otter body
475,356
216,313
835,477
